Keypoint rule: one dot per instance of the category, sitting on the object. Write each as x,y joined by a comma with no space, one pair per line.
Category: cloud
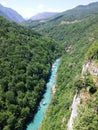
4,3
27,12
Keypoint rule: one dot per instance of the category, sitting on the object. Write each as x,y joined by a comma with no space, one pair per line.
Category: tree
10,96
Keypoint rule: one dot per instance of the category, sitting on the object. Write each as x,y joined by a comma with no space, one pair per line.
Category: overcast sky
28,8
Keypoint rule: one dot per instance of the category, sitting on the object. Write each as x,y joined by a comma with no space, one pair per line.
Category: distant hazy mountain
10,14
73,15
44,15
89,6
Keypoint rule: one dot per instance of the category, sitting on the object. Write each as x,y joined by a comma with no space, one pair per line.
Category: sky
28,8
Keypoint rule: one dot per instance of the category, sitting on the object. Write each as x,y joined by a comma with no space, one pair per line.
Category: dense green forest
92,53
80,41
26,57
25,62
64,32
88,110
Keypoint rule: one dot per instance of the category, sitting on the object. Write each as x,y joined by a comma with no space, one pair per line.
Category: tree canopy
25,61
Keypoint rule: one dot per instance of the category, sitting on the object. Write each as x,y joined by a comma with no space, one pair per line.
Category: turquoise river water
36,123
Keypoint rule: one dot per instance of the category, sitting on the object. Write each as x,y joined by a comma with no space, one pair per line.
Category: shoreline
53,90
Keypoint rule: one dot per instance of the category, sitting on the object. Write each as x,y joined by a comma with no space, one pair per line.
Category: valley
27,52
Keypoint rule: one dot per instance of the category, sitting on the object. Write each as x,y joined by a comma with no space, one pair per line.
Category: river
36,123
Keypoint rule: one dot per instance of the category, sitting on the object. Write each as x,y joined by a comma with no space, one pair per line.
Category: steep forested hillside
25,61
88,110
80,40
10,14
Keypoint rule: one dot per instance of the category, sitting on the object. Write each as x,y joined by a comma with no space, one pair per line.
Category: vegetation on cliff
78,39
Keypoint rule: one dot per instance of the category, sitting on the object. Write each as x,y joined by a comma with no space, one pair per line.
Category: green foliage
25,61
89,83
79,83
85,83
92,53
87,118
77,38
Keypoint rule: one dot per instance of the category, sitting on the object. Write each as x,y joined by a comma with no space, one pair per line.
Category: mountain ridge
77,13
43,15
10,14
88,5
